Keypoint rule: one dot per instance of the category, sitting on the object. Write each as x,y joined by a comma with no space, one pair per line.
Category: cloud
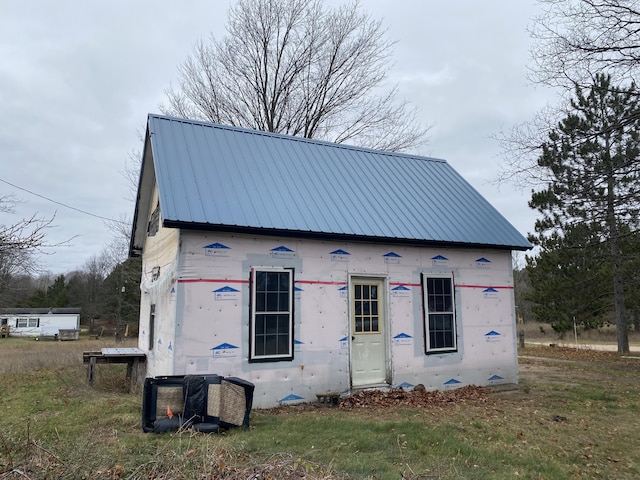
78,78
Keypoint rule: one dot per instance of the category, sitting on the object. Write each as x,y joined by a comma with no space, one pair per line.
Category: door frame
386,330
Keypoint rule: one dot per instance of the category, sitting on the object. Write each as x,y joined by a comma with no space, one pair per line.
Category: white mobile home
41,322
306,267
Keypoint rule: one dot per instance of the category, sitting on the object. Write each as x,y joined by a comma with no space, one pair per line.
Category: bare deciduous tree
20,243
294,67
576,39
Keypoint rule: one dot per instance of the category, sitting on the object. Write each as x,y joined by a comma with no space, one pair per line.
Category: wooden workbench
133,357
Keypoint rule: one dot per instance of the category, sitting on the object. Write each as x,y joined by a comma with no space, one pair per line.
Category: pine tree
592,157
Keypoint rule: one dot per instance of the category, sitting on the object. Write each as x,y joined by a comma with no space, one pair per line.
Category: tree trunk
621,320
616,262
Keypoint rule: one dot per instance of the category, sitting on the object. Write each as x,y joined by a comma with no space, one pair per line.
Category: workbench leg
91,370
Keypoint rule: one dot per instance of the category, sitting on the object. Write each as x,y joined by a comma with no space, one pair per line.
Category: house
308,267
59,323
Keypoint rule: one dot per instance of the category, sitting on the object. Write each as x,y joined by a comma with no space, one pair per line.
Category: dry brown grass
573,416
26,354
543,332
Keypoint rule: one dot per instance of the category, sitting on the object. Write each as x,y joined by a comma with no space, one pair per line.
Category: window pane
272,302
283,302
374,292
374,324
260,324
365,292
271,324
283,344
283,324
260,345
261,281
448,339
366,308
367,324
358,324
358,291
284,282
261,302
270,345
358,307
272,281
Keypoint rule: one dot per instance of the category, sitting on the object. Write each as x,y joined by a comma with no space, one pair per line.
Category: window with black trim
152,325
154,222
440,315
272,314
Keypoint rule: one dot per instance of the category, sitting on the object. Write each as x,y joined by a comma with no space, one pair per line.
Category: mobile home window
33,322
21,323
271,314
439,315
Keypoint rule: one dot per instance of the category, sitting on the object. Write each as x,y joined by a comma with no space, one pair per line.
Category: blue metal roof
220,177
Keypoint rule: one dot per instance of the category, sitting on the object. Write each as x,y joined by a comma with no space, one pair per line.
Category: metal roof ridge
295,138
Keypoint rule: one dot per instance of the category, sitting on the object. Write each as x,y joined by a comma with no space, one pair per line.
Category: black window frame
440,322
272,313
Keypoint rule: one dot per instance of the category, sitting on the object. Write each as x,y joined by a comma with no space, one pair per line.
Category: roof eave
334,236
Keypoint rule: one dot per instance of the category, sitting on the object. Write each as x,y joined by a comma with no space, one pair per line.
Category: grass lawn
575,414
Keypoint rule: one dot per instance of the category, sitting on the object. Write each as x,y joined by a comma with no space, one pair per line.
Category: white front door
368,346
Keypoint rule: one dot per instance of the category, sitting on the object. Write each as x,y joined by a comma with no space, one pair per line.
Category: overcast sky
78,78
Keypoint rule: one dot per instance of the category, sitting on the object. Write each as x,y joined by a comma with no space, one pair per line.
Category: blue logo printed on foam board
452,381
339,255
281,248
392,257
403,335
298,342
404,385
159,341
439,260
290,398
226,293
343,291
483,262
490,292
403,339
224,350
282,252
297,289
401,288
400,291
225,289
344,343
224,346
170,347
494,378
216,250
493,336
